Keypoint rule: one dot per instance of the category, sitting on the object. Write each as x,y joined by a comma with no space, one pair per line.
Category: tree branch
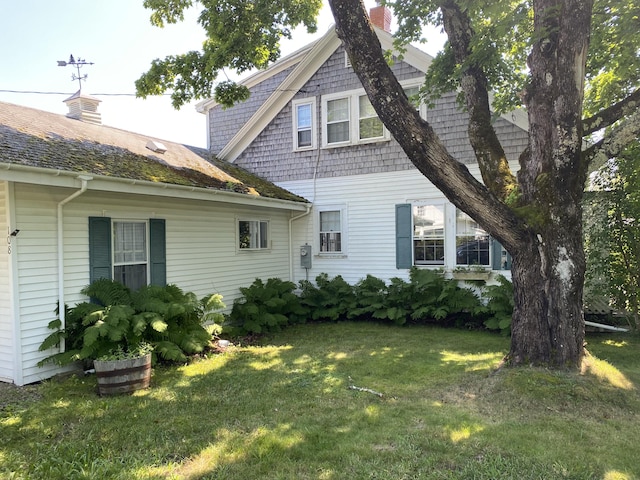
492,160
612,114
614,142
416,137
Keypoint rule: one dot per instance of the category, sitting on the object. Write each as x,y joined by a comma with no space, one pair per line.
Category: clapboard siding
370,202
36,269
7,353
202,256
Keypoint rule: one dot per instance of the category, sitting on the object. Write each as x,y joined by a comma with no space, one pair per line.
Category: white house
309,127
79,201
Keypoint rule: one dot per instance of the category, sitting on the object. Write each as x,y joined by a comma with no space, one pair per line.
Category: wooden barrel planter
123,376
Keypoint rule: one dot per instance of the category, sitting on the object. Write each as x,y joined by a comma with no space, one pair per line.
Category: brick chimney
380,16
84,107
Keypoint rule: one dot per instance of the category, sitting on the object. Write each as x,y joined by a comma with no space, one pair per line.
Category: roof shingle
37,138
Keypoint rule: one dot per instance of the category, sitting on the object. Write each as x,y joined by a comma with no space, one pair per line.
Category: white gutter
64,178
61,310
309,206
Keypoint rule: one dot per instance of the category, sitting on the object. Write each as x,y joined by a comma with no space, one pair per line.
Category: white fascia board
66,179
412,56
305,69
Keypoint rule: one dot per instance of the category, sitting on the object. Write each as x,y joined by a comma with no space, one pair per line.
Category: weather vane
79,63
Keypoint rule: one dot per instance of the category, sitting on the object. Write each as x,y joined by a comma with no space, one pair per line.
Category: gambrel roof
38,141
302,65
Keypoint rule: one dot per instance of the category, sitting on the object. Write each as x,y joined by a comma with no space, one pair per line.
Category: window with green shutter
421,233
99,248
404,235
123,251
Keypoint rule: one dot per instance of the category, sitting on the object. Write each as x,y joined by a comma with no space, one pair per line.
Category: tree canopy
241,35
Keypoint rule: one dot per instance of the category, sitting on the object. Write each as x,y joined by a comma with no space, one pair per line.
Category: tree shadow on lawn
285,411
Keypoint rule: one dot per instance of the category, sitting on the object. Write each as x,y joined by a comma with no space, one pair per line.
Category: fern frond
169,351
108,292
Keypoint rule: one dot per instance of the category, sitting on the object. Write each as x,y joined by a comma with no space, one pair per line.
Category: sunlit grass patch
606,372
464,432
614,475
473,361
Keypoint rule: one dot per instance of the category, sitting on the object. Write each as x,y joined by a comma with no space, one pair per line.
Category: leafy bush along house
81,201
309,127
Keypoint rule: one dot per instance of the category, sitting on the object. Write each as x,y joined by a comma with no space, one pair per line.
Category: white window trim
439,201
416,82
147,261
294,116
325,133
385,133
342,208
450,235
489,253
237,235
354,120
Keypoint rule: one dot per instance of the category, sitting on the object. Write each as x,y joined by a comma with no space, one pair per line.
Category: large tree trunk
543,231
547,326
548,268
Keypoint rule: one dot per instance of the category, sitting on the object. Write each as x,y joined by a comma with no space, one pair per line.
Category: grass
284,410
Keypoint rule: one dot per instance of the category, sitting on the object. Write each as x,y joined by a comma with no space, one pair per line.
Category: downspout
291,220
61,310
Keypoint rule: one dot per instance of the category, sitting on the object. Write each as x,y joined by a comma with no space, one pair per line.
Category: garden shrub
427,297
370,299
499,305
265,307
329,299
435,299
117,318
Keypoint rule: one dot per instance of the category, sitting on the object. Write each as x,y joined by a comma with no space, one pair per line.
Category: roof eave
67,179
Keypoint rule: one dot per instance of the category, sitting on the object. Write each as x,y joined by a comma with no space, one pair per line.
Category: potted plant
121,325
124,371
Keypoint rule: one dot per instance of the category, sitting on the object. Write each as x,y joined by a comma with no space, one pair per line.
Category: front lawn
286,410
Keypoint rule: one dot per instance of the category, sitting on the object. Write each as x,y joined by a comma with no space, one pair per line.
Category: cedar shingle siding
271,154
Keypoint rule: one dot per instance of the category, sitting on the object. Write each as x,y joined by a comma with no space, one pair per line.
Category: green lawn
284,410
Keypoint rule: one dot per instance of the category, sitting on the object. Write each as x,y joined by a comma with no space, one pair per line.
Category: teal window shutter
500,258
157,252
99,248
404,236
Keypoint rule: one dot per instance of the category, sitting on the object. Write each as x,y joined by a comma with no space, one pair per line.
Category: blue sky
117,36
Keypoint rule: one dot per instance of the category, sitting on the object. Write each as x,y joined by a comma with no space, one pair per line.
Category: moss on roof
42,139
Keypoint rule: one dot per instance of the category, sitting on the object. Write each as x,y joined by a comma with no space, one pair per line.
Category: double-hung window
472,242
330,231
130,253
434,232
304,111
428,234
348,118
253,234
338,124
370,126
